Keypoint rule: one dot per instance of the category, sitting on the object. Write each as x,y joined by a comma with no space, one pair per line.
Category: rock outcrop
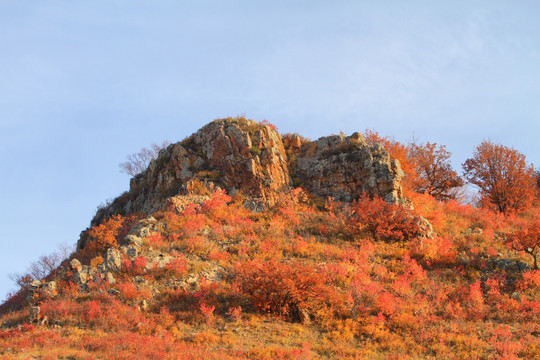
344,167
241,155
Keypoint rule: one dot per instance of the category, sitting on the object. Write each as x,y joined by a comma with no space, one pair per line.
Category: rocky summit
252,158
241,243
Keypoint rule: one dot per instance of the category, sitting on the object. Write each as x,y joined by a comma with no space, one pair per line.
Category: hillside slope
241,243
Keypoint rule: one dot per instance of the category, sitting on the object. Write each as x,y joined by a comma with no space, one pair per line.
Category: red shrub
383,221
285,289
177,266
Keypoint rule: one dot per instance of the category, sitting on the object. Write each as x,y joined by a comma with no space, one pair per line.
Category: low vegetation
306,278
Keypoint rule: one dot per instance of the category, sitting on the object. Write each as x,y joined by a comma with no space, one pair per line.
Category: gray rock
50,288
114,260
139,280
113,292
76,265
81,277
132,252
35,314
110,278
133,240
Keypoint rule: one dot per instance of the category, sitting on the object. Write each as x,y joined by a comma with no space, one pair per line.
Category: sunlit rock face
252,158
344,167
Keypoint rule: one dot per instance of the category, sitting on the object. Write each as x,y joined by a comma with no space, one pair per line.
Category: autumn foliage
104,236
505,180
435,174
526,237
383,221
285,289
306,278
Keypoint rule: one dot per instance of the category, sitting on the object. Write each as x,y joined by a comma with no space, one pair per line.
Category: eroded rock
244,156
114,260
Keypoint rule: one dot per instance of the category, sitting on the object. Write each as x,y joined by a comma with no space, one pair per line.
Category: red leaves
267,123
527,237
284,289
505,180
177,266
383,221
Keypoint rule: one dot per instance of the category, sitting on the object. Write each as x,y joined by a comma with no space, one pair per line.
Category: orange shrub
383,221
285,289
103,236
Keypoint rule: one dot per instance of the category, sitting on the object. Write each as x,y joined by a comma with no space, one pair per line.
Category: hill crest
252,158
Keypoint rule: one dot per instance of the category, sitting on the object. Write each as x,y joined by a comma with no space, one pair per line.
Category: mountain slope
216,253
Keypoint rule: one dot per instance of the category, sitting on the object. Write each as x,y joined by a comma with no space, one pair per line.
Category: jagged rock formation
344,167
253,158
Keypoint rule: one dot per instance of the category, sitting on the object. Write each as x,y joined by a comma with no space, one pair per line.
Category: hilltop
240,242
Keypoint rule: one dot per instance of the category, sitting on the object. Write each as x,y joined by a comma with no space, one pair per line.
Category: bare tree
138,162
43,266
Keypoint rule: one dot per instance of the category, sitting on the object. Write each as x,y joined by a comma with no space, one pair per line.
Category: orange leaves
527,237
177,266
383,221
105,235
217,202
435,174
284,289
506,181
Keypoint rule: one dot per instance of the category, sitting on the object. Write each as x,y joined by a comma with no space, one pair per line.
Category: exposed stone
81,276
113,292
248,156
508,265
50,289
76,265
114,260
132,251
426,230
143,305
110,278
345,167
303,314
133,240
243,155
157,261
35,314
139,280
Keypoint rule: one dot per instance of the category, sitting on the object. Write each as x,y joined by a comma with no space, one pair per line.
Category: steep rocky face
248,156
346,167
253,158
234,154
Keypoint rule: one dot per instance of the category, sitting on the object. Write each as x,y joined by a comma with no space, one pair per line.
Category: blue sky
83,84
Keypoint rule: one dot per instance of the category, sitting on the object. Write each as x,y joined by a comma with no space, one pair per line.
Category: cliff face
345,167
254,159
